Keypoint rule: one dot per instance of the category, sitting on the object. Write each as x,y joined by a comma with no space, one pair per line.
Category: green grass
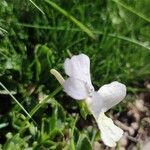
36,36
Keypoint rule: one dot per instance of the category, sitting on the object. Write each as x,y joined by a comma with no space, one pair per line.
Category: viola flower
79,87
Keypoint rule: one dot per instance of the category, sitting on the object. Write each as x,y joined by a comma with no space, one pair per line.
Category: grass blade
15,100
37,7
38,106
73,19
134,41
132,10
3,125
3,30
113,35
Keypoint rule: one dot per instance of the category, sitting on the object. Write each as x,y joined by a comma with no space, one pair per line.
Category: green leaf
3,125
132,10
56,134
73,19
44,59
84,109
15,100
83,143
37,7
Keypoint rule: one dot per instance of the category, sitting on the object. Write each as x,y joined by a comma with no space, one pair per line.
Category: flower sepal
84,109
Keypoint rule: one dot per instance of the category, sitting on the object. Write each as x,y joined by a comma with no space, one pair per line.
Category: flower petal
112,94
95,104
75,88
78,67
110,133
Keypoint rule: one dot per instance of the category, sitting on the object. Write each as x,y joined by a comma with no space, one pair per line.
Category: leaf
132,10
44,59
84,109
73,19
37,7
56,134
21,106
83,143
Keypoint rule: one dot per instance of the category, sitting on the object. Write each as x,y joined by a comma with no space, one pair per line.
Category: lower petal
110,133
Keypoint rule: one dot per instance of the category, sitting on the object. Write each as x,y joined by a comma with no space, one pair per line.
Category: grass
38,36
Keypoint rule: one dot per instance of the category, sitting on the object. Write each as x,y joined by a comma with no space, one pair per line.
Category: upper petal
75,88
112,94
78,67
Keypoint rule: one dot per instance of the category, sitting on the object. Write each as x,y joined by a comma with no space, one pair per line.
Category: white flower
79,87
